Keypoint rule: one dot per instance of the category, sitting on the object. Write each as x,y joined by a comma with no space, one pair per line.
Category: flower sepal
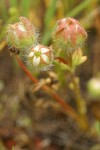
78,58
21,35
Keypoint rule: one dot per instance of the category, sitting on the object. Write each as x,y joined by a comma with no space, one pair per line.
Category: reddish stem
66,108
62,60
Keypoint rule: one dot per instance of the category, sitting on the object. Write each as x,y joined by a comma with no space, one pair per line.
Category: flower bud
69,35
22,34
40,58
93,87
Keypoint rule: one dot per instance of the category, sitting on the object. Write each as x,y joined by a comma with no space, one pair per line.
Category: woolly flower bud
22,34
40,58
69,35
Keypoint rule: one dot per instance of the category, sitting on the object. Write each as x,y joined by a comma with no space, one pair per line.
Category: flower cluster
22,37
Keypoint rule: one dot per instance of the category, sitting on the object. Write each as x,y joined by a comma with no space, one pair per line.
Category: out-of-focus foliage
44,13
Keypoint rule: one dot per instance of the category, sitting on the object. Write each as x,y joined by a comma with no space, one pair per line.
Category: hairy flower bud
22,34
69,35
40,58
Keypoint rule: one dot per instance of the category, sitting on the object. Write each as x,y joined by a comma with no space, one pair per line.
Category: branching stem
66,107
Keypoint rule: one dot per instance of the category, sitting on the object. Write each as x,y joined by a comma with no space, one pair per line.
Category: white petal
31,54
77,27
64,20
45,58
36,61
68,28
36,48
21,27
44,50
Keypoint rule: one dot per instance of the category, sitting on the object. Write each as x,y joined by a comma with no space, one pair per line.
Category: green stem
80,102
67,109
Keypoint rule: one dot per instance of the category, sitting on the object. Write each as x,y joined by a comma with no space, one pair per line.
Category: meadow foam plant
21,35
69,35
40,57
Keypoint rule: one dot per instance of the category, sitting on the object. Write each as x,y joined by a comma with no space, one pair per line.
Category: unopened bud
40,58
69,35
22,34
94,87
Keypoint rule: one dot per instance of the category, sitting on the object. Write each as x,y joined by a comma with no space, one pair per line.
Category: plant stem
80,102
62,60
66,108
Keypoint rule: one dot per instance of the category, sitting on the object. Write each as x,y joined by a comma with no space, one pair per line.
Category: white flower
40,56
36,61
22,28
31,54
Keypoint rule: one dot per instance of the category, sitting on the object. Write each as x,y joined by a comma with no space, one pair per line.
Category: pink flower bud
69,35
40,58
22,34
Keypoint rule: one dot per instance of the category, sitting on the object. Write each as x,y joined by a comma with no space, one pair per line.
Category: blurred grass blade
13,3
79,8
25,6
3,10
50,13
48,17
